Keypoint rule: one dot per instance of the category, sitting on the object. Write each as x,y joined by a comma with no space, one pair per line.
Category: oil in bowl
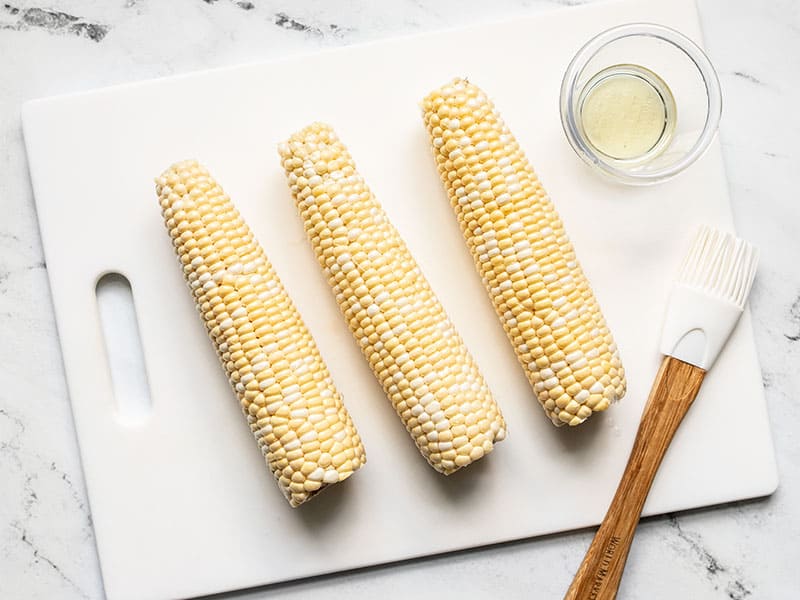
639,103
627,113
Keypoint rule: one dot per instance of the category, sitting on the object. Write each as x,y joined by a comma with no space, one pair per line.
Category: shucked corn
402,330
522,252
284,388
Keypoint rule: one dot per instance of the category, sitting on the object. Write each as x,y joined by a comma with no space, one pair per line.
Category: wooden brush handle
673,392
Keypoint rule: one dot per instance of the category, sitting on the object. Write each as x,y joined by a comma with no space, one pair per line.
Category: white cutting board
182,503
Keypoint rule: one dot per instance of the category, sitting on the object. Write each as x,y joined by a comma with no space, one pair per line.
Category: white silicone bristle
720,264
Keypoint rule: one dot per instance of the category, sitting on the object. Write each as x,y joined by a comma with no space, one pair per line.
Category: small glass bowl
690,86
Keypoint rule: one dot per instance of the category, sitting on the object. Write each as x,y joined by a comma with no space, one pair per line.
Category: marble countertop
740,551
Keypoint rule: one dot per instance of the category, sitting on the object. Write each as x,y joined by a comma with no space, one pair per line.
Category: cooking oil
627,113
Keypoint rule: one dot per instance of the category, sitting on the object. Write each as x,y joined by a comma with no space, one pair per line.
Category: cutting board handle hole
123,349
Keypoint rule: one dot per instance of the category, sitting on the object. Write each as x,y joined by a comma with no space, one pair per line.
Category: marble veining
794,318
286,22
748,77
52,21
240,3
740,551
722,576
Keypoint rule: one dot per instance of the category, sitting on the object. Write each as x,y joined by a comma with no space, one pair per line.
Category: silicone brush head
720,264
708,297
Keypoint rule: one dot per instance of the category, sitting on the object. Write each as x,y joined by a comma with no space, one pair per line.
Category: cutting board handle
124,352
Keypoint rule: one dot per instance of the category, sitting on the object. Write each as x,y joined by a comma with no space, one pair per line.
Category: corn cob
522,252
403,331
285,390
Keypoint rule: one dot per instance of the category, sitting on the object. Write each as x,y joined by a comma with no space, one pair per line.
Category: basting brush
705,305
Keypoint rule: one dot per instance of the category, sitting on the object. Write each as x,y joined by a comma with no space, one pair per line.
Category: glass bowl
674,70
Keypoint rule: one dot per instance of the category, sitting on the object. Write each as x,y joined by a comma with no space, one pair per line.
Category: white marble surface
741,551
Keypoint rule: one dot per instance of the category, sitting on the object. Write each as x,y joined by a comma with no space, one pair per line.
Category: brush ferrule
697,325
